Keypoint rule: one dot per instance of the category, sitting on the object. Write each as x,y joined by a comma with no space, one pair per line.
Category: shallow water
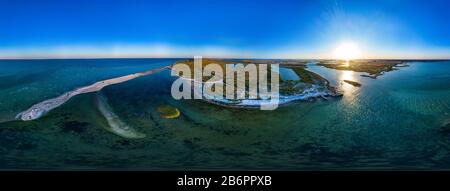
288,74
392,122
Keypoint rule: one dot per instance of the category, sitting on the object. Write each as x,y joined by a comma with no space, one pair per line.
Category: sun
347,51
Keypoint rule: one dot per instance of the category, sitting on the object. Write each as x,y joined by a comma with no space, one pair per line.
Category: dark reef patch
445,128
19,140
74,126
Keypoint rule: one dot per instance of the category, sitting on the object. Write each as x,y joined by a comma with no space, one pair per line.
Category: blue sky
258,29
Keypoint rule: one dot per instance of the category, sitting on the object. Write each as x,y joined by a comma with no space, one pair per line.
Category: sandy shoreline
38,110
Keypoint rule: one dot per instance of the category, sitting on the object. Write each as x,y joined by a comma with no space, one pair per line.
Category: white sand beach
38,110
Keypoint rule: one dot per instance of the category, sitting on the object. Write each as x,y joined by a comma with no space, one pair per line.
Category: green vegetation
281,62
309,77
299,67
372,67
205,62
287,87
168,112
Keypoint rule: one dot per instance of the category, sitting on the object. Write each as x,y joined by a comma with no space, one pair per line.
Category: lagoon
392,122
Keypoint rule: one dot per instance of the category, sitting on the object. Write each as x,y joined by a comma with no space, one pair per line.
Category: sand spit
116,125
38,110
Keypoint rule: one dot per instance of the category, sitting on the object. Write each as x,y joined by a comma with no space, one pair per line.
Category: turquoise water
393,122
288,74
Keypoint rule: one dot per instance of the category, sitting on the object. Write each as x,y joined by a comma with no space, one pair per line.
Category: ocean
392,122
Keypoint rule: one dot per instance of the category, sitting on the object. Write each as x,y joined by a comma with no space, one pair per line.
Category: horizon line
211,57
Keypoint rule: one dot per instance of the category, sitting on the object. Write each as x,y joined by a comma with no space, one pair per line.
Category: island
353,83
295,83
373,68
168,112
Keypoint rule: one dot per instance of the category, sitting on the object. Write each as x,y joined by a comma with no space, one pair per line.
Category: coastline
38,110
320,88
372,68
77,126
314,93
314,86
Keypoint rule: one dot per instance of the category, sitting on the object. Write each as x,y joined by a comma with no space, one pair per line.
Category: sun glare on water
347,51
